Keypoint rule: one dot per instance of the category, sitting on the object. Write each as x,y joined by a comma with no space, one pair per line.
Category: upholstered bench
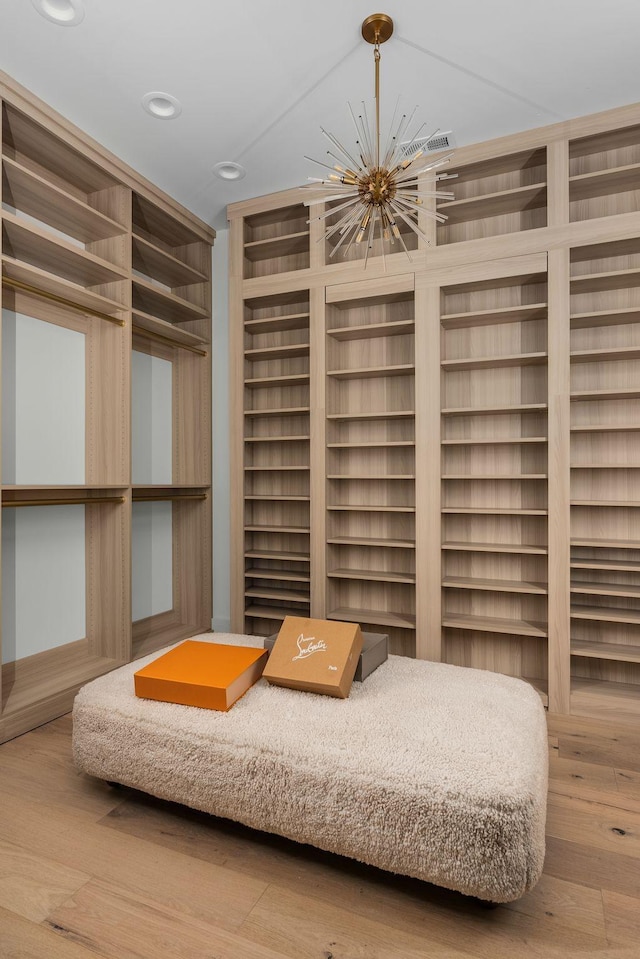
426,770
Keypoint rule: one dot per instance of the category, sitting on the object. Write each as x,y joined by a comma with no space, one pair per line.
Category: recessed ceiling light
161,105
66,13
228,170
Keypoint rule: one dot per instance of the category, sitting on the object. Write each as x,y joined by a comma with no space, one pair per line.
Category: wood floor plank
41,763
306,928
22,939
200,889
576,772
622,916
600,827
122,925
615,750
628,783
593,867
31,885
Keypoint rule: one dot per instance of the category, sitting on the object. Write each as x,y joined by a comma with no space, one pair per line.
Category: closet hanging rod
76,501
62,300
159,497
152,335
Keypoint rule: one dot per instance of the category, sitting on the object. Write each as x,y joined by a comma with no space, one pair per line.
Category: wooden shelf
604,355
495,204
523,548
58,286
606,504
506,314
373,477
372,330
281,595
283,411
275,498
493,511
606,543
37,197
368,372
300,438
612,394
495,410
279,469
290,379
616,652
493,362
288,245
372,575
371,541
586,186
277,352
605,589
605,700
490,624
364,416
178,335
494,585
273,324
613,428
600,282
374,444
371,509
275,574
494,476
31,245
605,466
604,615
271,612
377,617
164,304
263,528
508,441
582,321
277,555
161,265
610,565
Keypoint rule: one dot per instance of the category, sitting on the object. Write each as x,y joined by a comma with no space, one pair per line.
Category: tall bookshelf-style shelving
473,470
94,260
370,463
494,474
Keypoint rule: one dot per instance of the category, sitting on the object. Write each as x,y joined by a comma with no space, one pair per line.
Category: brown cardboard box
209,675
315,655
375,651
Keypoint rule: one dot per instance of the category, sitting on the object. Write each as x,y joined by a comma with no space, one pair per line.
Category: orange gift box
209,675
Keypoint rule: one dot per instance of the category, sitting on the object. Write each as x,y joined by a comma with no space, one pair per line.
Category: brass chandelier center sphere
376,187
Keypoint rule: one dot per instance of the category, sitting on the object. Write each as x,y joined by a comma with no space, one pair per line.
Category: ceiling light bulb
66,13
228,170
162,106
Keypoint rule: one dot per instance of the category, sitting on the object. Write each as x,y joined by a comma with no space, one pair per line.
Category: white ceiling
257,78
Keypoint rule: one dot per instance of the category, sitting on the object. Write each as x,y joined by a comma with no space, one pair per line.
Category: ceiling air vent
442,140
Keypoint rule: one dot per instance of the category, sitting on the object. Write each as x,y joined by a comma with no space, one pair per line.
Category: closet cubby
85,239
276,241
276,457
493,337
605,462
604,174
505,194
370,463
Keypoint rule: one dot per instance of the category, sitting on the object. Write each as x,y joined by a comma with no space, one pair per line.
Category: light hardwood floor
87,870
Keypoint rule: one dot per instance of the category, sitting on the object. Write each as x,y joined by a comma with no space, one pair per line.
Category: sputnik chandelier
378,192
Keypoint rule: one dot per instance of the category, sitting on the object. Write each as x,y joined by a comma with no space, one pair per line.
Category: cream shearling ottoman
426,770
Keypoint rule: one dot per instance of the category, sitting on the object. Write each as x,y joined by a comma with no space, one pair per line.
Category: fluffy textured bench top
426,770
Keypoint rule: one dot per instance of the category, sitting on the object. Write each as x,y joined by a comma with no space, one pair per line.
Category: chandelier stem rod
376,57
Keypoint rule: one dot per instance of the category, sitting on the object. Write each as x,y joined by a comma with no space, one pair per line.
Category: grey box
375,650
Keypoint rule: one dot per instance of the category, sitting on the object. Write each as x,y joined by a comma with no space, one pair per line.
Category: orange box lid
209,675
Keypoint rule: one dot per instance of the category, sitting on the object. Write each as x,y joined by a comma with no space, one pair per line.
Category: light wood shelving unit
472,413
90,246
